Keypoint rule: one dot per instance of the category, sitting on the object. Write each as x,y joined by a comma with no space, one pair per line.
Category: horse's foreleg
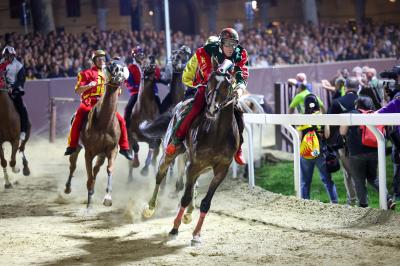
13,161
220,172
161,173
72,166
7,183
107,198
187,218
135,148
91,180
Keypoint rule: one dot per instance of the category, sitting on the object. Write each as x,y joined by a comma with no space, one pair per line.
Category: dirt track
41,225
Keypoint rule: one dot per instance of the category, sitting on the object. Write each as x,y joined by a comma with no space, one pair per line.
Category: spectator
344,104
298,100
363,159
311,104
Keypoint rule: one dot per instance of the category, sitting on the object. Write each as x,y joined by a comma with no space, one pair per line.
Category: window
73,8
15,8
125,7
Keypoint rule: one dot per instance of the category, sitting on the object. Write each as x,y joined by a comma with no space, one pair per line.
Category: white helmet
8,49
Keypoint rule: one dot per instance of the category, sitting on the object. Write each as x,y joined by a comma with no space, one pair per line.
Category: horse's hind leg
181,162
192,174
135,162
220,172
7,183
72,166
13,161
110,167
145,169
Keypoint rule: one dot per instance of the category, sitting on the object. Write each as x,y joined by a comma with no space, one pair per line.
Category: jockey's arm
189,72
19,82
241,73
82,85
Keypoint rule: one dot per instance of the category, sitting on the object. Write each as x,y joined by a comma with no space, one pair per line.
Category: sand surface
39,224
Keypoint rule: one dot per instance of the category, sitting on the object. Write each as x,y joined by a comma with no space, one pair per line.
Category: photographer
392,92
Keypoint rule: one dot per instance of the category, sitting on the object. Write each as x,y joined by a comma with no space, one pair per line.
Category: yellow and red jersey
85,77
199,67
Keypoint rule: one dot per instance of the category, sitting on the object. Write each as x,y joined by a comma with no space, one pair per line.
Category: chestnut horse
145,109
214,132
101,133
9,132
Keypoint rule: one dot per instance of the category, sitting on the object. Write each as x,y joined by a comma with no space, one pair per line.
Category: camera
391,74
389,83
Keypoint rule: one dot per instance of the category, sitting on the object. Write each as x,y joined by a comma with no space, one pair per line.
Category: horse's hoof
107,202
67,190
145,171
148,213
26,171
187,218
173,234
135,162
15,170
196,241
8,186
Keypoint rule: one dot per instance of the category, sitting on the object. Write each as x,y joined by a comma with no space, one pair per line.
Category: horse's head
116,72
149,67
179,58
219,92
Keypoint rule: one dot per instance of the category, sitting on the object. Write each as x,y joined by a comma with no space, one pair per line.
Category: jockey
15,80
133,82
159,77
196,74
90,86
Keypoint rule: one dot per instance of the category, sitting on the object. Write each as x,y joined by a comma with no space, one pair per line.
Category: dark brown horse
10,132
210,143
101,133
145,109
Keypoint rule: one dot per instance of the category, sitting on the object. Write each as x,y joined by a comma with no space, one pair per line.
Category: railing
288,121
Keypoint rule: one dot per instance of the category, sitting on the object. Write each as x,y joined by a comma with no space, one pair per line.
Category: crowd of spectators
61,54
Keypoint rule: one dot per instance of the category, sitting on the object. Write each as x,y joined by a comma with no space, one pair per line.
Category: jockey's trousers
23,113
77,124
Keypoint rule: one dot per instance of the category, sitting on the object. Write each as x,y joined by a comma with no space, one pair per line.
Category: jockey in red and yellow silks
90,86
196,74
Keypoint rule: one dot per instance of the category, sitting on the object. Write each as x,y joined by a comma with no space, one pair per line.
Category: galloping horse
177,88
10,131
145,109
101,133
210,143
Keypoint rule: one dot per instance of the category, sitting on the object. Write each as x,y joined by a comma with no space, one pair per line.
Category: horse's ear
214,63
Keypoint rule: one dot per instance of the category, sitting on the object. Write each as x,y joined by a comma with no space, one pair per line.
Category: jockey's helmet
8,50
212,39
137,51
98,53
229,36
185,49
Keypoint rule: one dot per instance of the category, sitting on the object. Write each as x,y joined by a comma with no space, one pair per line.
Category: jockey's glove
239,89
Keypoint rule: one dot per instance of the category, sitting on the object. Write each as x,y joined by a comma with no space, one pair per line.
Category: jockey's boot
239,159
173,146
127,154
69,151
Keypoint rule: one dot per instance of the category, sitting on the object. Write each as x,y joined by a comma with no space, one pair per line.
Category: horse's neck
107,107
177,88
222,126
148,89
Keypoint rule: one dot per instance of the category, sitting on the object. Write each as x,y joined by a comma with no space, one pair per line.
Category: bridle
230,98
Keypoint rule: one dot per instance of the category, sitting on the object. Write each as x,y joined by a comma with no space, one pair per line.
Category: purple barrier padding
37,102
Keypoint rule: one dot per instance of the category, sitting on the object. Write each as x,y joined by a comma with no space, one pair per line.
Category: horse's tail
157,128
